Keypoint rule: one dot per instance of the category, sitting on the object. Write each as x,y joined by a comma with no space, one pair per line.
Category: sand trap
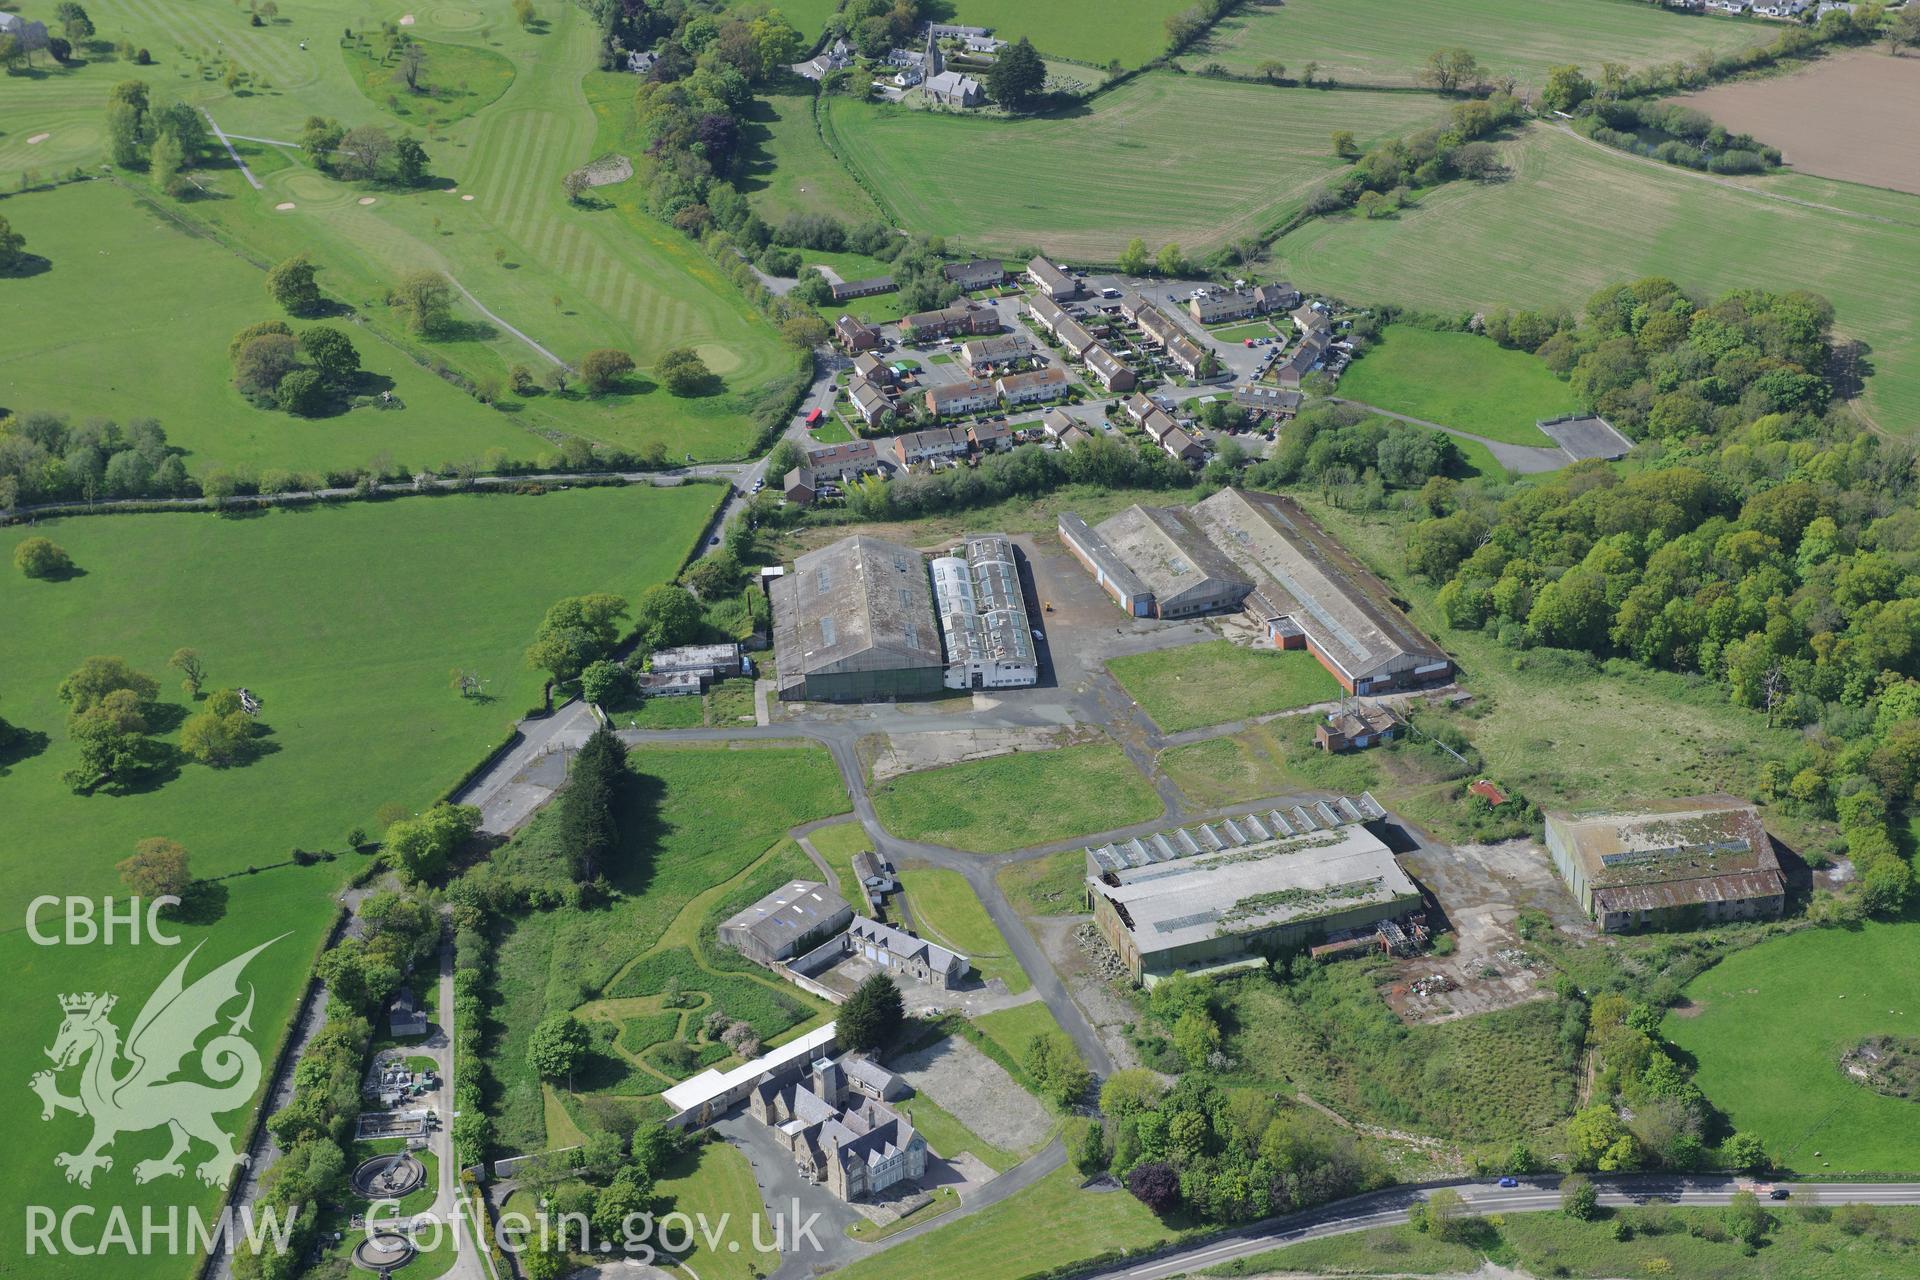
407,21
466,197
366,199
284,205
37,139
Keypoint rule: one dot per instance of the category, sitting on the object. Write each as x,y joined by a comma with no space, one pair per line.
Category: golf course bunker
284,205
466,197
406,20
384,1252
389,1177
366,200
37,139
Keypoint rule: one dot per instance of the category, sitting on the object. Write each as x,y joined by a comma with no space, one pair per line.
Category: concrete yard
976,1091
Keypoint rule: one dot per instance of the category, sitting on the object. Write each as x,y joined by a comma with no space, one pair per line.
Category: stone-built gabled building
829,1116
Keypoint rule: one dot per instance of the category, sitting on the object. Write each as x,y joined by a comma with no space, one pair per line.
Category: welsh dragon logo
134,1087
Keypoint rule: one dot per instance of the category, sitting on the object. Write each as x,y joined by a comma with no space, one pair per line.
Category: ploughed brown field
1850,117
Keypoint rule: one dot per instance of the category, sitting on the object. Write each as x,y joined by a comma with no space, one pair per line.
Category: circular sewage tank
389,1177
384,1252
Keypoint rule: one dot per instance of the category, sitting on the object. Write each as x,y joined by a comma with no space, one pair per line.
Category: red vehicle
1249,342
815,418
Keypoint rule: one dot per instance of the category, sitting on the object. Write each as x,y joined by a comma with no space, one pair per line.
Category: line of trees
1384,178
1676,135
167,136
363,153
45,458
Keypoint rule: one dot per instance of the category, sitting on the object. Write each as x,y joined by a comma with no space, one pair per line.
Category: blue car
1509,1181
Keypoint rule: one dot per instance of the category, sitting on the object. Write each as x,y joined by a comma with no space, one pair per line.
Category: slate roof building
854,622
1111,372
839,1134
855,336
899,952
850,289
1037,384
1055,283
1676,863
976,273
790,921
841,461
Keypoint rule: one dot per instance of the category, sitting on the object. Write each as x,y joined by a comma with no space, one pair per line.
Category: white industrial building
983,616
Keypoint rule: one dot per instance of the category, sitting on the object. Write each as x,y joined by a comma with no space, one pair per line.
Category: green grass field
288,903
946,910
1049,886
165,353
704,826
456,81
1129,32
1217,681
716,1182
1010,802
837,844
1459,380
572,278
1050,1223
1768,1025
1387,41
1802,1244
789,170
1576,216
1163,158
344,620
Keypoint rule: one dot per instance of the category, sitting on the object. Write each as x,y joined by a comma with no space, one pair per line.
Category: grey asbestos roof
791,912
1302,572
859,604
1171,554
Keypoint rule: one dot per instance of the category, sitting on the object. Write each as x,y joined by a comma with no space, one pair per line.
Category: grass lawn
1013,1029
831,431
837,844
946,910
1241,332
1803,1243
941,1201
1459,380
1770,1026
1162,157
1469,247
456,80
1050,1223
787,169
1049,886
164,354
703,826
1010,802
716,1182
1217,681
1098,31
1387,41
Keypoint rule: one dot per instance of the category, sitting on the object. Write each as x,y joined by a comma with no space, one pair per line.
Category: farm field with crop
1386,42
1820,118
1459,380
1613,217
1162,157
